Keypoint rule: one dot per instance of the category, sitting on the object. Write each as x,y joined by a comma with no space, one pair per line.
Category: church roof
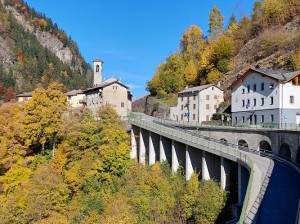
74,92
98,60
27,94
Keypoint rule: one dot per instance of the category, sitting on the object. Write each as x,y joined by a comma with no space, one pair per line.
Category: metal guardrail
229,149
219,124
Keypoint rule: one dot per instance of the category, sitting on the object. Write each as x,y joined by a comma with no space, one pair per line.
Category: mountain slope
35,51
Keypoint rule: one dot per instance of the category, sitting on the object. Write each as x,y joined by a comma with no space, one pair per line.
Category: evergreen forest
30,64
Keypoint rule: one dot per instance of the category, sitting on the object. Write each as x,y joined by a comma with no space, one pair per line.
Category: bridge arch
264,146
242,144
298,155
285,151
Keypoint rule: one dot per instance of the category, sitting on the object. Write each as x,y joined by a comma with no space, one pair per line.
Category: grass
170,99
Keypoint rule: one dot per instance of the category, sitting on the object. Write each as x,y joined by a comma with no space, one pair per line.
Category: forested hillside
34,51
270,39
58,169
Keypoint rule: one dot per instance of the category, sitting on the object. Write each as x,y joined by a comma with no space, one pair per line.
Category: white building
198,103
266,96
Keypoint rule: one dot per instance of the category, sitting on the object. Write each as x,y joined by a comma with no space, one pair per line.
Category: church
110,92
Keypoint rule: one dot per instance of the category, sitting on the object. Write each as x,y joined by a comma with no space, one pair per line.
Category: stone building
109,92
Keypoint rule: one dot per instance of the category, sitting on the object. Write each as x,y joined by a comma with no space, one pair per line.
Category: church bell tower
98,71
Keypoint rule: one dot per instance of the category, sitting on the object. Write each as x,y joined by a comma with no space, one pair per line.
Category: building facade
109,92
24,97
197,103
75,98
261,97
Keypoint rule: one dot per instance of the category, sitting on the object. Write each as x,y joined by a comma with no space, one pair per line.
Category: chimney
98,71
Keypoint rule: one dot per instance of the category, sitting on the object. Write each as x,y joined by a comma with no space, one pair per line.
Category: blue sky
132,37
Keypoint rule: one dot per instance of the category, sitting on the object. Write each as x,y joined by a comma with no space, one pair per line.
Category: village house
110,92
197,103
266,97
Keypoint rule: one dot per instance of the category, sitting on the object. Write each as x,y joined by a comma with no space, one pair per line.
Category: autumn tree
191,74
43,119
10,94
215,23
192,43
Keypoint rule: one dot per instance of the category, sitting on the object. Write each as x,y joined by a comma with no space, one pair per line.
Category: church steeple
97,71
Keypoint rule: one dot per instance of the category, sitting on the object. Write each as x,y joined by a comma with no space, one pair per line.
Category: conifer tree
216,21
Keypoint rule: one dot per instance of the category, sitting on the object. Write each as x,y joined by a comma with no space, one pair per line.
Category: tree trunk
54,145
43,149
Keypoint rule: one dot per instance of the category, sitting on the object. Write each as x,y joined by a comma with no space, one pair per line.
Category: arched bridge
213,155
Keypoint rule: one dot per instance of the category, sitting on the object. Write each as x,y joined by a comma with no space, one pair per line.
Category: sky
132,37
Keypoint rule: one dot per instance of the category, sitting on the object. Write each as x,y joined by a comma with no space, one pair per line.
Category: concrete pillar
223,174
162,152
188,163
151,150
133,152
205,172
142,148
175,162
240,201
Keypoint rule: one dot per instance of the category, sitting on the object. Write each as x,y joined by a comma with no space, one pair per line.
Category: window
272,118
122,104
262,101
248,89
194,97
262,118
243,91
235,120
97,68
207,97
216,97
181,107
181,98
181,116
243,103
262,86
254,87
207,106
248,104
188,99
254,102
271,100
271,86
215,106
194,116
292,99
69,98
194,106
207,117
243,119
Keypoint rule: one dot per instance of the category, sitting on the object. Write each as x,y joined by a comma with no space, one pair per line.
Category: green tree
215,23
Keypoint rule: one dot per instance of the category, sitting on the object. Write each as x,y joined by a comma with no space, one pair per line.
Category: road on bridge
280,202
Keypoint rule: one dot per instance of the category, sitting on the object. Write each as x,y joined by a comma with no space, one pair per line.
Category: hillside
34,51
269,39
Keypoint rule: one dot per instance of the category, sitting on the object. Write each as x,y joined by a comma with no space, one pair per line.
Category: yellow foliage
296,60
213,76
191,74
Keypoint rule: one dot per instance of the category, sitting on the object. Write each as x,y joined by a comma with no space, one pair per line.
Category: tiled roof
277,74
27,94
197,88
74,92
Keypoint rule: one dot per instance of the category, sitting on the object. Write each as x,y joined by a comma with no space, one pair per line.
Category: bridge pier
134,147
154,144
193,161
178,155
143,146
211,166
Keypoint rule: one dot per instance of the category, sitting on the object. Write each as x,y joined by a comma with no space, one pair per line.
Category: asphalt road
280,202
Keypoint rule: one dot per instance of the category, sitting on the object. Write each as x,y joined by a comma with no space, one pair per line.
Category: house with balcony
75,98
266,97
197,103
